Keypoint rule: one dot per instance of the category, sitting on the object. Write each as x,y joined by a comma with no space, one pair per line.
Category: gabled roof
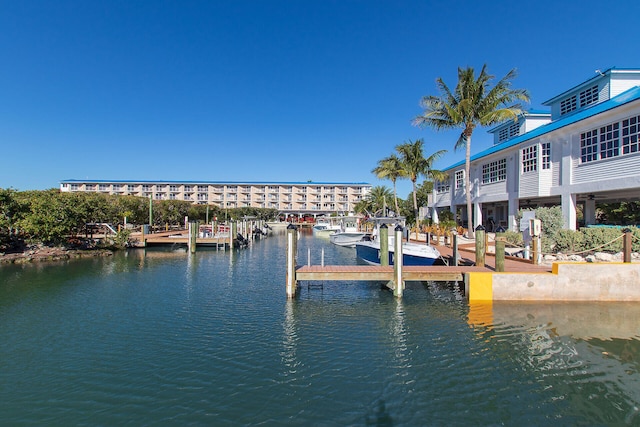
599,75
526,114
626,97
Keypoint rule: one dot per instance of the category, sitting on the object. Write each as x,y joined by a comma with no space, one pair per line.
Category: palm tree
378,197
472,103
390,168
415,164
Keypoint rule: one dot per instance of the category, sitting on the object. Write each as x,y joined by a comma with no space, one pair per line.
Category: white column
589,212
514,206
569,211
477,213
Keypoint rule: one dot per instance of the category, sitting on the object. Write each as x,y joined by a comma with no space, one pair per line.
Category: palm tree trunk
415,201
395,197
467,179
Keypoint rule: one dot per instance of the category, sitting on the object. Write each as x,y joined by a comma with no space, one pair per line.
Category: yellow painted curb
480,286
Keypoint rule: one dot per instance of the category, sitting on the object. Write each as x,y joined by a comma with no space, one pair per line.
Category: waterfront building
287,197
584,150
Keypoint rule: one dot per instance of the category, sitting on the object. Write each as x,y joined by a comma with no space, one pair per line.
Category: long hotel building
287,197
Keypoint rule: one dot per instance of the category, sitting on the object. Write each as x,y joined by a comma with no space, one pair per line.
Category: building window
442,187
117,187
173,188
74,187
589,146
459,179
589,96
530,159
546,155
630,133
202,188
131,187
202,197
509,132
609,141
503,135
103,187
494,171
187,188
568,105
146,187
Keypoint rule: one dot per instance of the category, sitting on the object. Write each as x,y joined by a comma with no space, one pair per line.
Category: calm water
163,338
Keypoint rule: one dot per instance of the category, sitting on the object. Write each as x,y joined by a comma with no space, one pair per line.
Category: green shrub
568,241
514,239
445,216
597,239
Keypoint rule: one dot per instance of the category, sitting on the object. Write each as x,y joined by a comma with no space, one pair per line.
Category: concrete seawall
566,282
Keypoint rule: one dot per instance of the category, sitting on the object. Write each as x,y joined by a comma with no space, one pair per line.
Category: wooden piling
193,236
233,230
535,241
480,246
384,244
292,237
397,263
500,243
626,245
455,250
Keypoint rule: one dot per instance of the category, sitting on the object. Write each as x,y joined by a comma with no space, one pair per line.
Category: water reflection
584,352
289,338
580,320
399,339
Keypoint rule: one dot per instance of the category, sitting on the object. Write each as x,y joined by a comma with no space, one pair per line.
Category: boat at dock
325,226
349,233
412,253
277,225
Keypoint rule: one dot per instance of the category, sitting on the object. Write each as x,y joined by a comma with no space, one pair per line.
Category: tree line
51,216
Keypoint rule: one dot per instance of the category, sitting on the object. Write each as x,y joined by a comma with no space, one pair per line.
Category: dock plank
383,273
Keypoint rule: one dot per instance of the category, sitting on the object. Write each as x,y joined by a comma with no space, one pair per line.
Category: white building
586,150
287,197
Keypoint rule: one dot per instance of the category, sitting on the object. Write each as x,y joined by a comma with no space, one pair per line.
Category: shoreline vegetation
42,253
49,225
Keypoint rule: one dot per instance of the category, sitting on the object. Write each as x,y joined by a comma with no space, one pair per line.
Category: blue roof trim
142,181
630,95
528,113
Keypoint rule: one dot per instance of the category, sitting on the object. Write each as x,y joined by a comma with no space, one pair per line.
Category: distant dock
181,237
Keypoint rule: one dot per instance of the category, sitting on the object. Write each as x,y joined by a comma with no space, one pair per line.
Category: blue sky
268,90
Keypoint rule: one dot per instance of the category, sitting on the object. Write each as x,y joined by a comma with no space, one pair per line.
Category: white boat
349,233
279,225
325,226
412,253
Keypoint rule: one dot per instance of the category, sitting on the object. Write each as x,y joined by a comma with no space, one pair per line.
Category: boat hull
347,239
412,254
324,232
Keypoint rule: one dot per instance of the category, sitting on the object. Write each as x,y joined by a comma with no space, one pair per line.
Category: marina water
161,337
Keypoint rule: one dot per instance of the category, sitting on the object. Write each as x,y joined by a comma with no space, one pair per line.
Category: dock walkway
440,273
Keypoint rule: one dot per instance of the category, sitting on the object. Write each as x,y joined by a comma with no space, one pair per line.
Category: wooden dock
396,276
181,237
438,273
